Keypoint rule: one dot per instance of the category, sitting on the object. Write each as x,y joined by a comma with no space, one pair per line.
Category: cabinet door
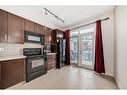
53,37
46,35
30,26
3,26
43,30
51,61
15,29
13,72
40,29
50,37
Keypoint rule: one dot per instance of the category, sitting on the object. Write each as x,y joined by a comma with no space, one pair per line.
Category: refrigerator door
61,46
64,49
61,51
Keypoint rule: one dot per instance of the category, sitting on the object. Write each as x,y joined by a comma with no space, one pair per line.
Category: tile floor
69,77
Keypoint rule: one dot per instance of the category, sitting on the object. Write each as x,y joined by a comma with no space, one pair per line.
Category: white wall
121,46
108,40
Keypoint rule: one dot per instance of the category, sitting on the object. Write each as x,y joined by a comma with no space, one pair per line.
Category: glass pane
87,30
33,38
87,49
75,33
74,49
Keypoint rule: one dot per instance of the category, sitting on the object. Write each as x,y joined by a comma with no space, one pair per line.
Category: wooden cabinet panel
51,61
30,26
34,27
39,29
43,30
54,37
12,72
3,26
48,36
15,29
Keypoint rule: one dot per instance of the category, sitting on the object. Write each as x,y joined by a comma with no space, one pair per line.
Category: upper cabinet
12,28
48,36
34,27
54,37
15,29
30,26
3,26
40,29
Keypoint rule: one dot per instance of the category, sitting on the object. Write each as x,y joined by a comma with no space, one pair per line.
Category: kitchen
27,49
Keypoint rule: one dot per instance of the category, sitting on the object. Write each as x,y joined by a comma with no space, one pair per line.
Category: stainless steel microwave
34,37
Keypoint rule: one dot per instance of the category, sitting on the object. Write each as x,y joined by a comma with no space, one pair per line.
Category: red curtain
99,57
67,36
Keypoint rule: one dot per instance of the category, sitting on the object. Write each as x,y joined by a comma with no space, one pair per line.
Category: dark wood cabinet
51,59
12,28
3,26
15,29
12,72
30,26
54,34
43,30
40,29
48,36
34,27
54,37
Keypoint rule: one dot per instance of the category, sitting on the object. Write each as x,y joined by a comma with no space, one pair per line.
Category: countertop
51,53
5,58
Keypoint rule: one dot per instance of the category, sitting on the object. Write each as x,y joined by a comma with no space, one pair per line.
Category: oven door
35,64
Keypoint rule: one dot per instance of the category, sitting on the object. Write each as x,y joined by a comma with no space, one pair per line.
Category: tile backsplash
10,49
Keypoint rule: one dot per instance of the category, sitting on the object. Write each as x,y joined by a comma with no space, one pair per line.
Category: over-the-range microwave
34,37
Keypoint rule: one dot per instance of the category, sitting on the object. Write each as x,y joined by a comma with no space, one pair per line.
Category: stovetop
32,51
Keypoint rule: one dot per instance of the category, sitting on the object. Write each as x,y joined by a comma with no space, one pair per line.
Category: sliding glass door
74,48
82,47
86,50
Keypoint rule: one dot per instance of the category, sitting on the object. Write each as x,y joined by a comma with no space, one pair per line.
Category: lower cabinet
51,59
12,72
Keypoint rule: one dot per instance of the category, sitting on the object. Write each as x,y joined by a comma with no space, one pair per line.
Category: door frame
79,47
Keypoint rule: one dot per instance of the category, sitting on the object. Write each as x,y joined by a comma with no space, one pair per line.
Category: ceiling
70,14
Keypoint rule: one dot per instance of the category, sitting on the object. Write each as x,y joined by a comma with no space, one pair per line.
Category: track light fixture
47,11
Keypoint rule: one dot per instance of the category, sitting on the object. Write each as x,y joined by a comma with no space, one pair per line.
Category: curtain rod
88,24
53,15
